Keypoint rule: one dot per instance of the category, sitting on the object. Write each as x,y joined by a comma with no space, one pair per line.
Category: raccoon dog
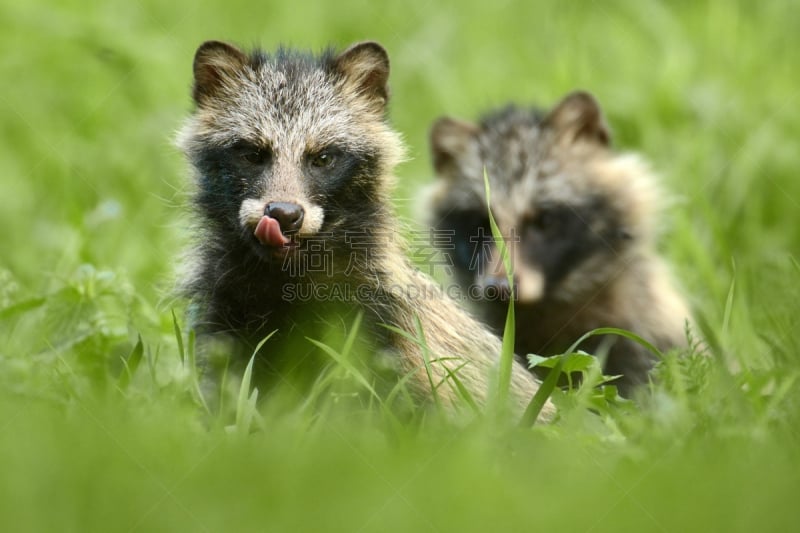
293,162
580,222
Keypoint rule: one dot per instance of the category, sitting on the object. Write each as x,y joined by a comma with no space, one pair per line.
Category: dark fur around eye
559,238
543,221
258,157
470,234
548,219
253,153
324,159
333,168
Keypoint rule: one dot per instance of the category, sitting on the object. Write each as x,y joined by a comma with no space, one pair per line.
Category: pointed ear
365,68
214,63
450,140
578,117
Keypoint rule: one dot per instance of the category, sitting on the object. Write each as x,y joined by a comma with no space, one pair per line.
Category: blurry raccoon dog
580,221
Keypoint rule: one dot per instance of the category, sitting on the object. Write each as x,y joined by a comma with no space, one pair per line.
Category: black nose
496,287
289,216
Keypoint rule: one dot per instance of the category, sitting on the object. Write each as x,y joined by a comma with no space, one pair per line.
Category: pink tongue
268,231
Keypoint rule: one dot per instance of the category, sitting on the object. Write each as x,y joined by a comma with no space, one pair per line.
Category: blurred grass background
92,192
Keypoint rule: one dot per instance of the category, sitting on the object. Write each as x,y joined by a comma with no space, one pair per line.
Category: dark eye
545,220
323,160
252,153
256,156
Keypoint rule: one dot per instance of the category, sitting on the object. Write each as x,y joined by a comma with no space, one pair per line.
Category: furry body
580,221
293,160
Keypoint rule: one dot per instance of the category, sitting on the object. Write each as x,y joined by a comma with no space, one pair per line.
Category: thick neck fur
247,299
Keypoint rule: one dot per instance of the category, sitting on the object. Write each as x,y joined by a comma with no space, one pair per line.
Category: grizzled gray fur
580,220
293,162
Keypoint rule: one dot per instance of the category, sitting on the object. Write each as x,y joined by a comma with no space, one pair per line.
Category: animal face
284,145
569,210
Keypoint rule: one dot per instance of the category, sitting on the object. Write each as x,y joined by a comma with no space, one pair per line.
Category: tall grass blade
246,402
194,376
426,359
546,389
462,390
509,332
619,332
131,363
343,357
726,317
178,337
428,365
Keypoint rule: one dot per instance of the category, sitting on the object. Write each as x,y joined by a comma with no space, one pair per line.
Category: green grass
101,428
